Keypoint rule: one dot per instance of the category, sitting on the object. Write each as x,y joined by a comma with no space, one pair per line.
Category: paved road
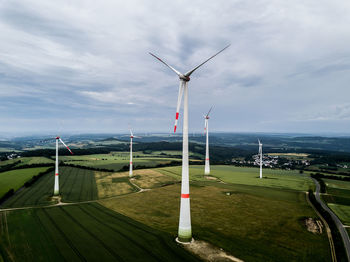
340,226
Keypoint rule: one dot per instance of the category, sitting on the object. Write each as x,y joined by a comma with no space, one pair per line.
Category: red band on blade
56,174
185,195
174,129
177,116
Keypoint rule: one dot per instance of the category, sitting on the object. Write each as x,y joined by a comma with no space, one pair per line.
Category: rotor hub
185,78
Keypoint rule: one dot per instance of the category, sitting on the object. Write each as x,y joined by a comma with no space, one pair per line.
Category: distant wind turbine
260,156
185,230
206,130
56,190
131,137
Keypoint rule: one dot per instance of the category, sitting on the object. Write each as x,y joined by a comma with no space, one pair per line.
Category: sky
84,66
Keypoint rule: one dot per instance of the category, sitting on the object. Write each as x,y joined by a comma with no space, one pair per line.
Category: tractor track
121,233
161,240
69,242
110,250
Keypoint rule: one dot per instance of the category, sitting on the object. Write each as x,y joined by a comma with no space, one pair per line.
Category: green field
253,219
16,178
116,161
86,232
274,178
75,185
338,198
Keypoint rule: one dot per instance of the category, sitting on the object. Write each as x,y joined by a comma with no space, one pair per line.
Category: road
340,226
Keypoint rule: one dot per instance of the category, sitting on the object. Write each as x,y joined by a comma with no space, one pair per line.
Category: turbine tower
185,230
260,156
56,190
131,137
206,130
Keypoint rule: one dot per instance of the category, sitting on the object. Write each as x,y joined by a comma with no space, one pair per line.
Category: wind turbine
185,230
131,137
260,156
56,190
206,120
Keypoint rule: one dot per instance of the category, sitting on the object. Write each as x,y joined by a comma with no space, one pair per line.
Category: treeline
337,240
28,183
15,167
172,163
221,154
323,187
87,167
8,167
319,175
36,177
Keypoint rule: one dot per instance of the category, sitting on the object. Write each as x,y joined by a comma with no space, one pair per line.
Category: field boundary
329,233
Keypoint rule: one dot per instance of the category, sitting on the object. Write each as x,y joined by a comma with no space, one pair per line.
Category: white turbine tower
131,137
56,190
260,157
206,130
185,230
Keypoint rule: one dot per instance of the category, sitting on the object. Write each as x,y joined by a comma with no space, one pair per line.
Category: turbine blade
172,68
66,146
209,111
194,69
179,99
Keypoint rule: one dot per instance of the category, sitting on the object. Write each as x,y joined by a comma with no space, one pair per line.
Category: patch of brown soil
208,252
313,226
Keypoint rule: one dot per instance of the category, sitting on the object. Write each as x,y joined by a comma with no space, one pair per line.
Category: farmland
274,178
253,219
116,161
75,185
86,232
16,178
338,198
264,219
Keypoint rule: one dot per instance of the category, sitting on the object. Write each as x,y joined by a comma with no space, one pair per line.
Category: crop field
116,161
85,232
292,156
253,219
16,178
338,198
75,185
275,178
253,223
35,160
113,184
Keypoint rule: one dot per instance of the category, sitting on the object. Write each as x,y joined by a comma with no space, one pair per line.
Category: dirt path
209,252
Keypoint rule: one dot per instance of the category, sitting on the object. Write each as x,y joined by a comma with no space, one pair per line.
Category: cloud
87,59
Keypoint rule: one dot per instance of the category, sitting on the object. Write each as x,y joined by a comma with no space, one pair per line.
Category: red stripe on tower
207,159
185,195
130,163
56,174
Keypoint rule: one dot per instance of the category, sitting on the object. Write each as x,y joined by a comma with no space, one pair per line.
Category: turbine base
184,241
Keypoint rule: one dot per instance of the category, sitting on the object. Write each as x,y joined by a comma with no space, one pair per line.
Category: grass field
253,219
253,223
86,232
338,198
16,178
275,178
117,160
75,185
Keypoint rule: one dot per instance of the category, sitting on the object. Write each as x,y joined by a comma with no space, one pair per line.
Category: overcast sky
83,66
